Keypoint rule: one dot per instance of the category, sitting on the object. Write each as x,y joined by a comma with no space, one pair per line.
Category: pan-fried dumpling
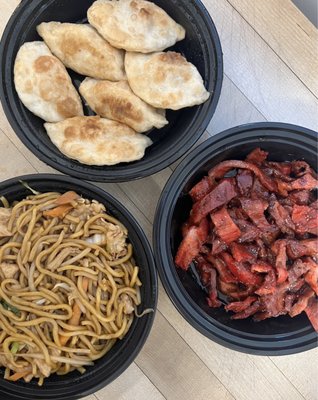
82,49
115,100
165,80
134,25
43,84
97,141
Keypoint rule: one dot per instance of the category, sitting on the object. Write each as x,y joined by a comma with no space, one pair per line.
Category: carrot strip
59,211
66,198
76,315
18,375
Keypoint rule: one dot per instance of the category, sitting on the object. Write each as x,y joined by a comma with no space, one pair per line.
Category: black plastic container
201,47
105,370
275,336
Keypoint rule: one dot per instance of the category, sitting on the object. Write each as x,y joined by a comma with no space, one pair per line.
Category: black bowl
105,370
201,46
275,336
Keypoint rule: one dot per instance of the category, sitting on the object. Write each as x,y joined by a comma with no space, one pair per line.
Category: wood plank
174,368
91,397
233,109
288,32
9,152
259,73
7,8
302,370
37,163
132,384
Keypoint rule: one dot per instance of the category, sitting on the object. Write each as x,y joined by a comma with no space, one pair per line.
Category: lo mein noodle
69,285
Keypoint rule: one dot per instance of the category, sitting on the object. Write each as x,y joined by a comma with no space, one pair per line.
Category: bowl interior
190,279
121,355
200,47
282,335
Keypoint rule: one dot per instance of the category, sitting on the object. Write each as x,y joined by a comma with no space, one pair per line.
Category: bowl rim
146,247
186,306
133,171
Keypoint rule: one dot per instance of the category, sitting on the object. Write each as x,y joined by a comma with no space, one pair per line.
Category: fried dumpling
115,100
82,49
43,84
165,80
135,25
97,141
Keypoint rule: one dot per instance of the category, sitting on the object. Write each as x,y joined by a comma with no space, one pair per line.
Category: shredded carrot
66,198
76,315
18,375
59,211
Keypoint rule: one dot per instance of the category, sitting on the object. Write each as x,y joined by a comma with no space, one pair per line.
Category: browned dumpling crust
43,84
115,100
82,49
97,141
135,25
165,80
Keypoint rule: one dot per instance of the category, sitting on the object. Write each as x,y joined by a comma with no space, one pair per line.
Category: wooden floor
271,74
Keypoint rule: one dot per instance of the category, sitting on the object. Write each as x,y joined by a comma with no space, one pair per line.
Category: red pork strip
274,302
282,218
302,302
298,269
243,253
312,275
224,273
218,246
301,197
255,210
305,219
261,267
191,244
281,260
276,173
251,310
257,156
239,306
212,299
244,180
289,300
306,182
258,191
208,278
240,271
301,248
204,268
221,169
233,290
300,168
284,168
312,312
249,231
218,197
201,189
224,226
269,284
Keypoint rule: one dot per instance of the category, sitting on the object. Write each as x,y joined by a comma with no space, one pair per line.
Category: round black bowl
275,336
75,385
201,47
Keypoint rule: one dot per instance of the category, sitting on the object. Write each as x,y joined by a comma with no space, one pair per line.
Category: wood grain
133,384
289,30
266,78
259,73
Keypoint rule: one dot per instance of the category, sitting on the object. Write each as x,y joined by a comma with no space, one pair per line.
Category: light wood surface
271,74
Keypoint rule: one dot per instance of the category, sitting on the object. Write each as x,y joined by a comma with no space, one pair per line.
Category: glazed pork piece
252,234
